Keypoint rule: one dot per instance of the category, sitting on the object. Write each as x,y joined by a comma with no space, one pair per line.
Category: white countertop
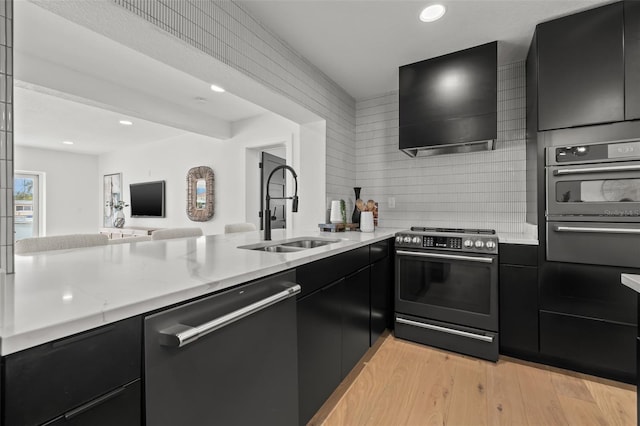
631,280
529,236
60,293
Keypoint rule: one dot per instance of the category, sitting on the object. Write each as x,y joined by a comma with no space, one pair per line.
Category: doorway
277,188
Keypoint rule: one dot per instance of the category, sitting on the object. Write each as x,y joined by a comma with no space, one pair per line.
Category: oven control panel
462,243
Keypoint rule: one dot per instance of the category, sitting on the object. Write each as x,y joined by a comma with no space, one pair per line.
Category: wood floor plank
542,404
505,402
432,402
617,402
468,394
405,383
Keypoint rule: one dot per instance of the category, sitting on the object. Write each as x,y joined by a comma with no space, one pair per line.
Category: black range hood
449,103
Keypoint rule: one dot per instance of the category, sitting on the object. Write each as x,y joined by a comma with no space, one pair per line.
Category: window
26,202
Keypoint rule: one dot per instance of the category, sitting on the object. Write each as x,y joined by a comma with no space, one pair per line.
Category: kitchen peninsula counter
60,293
631,280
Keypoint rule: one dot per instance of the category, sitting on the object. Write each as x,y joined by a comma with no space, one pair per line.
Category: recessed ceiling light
432,13
126,122
217,88
67,142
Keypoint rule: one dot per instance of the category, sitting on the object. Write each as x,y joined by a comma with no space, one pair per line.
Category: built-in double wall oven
447,289
593,203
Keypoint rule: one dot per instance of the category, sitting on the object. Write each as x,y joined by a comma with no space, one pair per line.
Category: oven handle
631,168
559,228
488,339
446,256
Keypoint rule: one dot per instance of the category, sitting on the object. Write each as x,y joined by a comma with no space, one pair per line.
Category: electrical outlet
391,201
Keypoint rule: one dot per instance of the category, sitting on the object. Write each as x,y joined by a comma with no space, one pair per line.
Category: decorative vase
118,220
367,222
355,217
336,215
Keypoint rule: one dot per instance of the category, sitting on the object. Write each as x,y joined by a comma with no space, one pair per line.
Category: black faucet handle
294,205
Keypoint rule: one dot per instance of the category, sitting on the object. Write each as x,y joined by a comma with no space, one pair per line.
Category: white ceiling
360,44
74,84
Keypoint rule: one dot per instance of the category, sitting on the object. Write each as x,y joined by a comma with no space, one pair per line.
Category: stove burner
454,230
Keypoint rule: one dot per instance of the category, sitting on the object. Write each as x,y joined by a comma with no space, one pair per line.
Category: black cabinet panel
587,290
518,309
519,254
381,297
581,69
319,348
315,275
120,407
355,319
594,346
42,382
380,250
632,59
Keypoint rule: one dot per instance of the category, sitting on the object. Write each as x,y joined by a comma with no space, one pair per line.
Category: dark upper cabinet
632,59
449,99
581,69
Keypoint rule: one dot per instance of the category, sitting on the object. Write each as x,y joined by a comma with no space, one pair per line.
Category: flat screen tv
147,199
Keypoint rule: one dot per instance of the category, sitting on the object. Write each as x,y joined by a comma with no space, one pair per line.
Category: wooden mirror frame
193,176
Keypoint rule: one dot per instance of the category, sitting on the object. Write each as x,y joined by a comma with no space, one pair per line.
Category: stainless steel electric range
446,289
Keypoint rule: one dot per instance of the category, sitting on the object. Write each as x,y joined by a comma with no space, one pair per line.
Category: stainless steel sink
290,245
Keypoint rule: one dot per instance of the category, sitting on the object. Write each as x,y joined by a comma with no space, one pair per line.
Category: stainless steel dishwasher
227,359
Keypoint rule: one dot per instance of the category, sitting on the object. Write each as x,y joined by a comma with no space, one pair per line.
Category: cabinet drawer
600,347
50,379
379,250
519,254
315,275
122,407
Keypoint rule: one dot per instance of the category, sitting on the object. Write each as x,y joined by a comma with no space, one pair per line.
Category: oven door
609,191
455,288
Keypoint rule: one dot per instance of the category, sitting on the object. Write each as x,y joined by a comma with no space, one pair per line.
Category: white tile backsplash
481,189
6,136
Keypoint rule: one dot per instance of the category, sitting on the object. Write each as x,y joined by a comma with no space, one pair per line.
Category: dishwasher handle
180,335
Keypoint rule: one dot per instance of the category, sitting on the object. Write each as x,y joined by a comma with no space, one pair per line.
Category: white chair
239,227
59,242
130,240
165,234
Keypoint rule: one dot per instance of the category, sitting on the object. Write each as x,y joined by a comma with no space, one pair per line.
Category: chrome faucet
268,198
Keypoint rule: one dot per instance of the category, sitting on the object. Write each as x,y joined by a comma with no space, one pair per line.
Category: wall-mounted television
147,199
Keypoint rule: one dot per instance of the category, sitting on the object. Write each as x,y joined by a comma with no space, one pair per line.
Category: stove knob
468,243
398,239
416,240
407,239
491,245
479,244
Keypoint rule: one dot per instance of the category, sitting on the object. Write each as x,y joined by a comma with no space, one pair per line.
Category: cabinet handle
632,168
488,339
596,230
93,403
180,335
445,256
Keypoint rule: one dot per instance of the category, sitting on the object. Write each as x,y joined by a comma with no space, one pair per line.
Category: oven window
462,285
598,191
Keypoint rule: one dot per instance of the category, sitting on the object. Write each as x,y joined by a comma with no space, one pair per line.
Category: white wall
72,190
475,190
230,160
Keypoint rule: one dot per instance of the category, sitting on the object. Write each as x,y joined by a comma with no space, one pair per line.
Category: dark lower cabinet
319,348
72,377
381,297
518,309
518,299
594,346
632,59
355,319
121,407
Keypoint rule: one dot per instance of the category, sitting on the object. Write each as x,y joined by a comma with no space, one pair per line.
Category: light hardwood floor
404,383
